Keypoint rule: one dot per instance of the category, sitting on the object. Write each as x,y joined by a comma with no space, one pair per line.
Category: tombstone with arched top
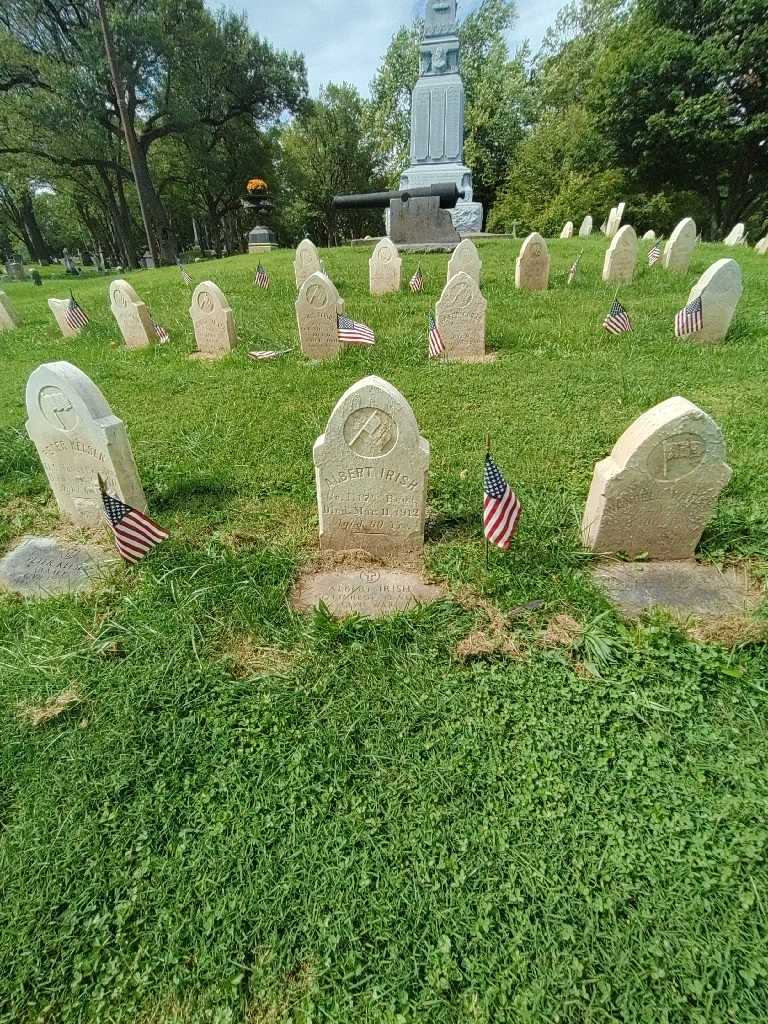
465,258
620,260
318,309
131,314
532,266
384,268
213,322
460,316
680,246
306,263
79,440
371,467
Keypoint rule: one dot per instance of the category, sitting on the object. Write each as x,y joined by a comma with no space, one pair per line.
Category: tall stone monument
437,116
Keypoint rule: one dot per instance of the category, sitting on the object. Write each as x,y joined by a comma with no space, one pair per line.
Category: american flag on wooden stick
501,508
183,271
135,534
690,320
655,254
269,354
436,343
162,334
417,281
574,268
353,333
75,314
617,321
262,277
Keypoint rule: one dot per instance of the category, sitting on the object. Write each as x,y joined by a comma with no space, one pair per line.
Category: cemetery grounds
508,806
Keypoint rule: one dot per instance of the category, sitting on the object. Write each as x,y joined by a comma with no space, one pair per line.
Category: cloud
345,40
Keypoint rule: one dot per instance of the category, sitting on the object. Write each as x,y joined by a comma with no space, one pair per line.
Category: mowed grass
246,815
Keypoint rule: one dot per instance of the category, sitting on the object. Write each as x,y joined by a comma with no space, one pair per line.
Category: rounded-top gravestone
736,236
532,266
59,309
567,231
466,259
371,467
658,489
620,260
384,268
586,227
131,314
78,440
680,246
9,318
460,317
720,288
213,321
306,262
318,308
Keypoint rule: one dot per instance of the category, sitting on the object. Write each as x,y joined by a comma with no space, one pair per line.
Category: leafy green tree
326,152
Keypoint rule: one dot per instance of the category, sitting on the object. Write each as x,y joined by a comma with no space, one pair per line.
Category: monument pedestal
468,218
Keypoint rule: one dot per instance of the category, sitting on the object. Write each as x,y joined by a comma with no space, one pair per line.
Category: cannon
418,217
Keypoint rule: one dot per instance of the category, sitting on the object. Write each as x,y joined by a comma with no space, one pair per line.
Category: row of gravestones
654,494
737,235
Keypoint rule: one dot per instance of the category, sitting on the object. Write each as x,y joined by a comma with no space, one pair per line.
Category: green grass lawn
254,816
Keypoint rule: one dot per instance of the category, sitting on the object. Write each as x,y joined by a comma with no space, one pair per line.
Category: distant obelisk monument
437,115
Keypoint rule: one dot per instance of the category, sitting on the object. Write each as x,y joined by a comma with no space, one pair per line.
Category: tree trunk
40,251
119,217
165,234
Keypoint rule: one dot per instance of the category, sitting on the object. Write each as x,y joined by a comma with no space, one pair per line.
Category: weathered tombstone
720,288
465,259
736,236
371,467
370,590
649,236
132,315
59,309
318,308
532,266
69,263
78,439
384,268
621,257
614,220
9,318
658,489
586,227
306,263
460,315
567,231
762,246
213,322
45,566
680,246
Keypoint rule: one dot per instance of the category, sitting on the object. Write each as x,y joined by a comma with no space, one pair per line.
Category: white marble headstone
213,321
762,246
460,317
371,467
59,309
9,318
306,263
318,308
658,489
649,236
619,266
384,268
736,236
680,246
532,266
78,439
567,231
131,314
586,227
466,259
720,288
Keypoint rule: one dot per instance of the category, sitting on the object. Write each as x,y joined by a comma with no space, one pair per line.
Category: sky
345,40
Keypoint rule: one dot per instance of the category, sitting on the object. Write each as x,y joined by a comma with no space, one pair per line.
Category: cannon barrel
447,193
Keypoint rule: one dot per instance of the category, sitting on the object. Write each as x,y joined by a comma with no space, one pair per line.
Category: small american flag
574,268
436,343
353,333
417,281
617,321
269,354
162,334
501,508
135,534
183,271
655,254
690,320
262,277
75,315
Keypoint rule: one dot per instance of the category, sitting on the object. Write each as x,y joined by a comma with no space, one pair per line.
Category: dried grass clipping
562,631
40,714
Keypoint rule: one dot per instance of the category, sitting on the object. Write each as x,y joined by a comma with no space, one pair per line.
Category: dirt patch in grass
40,714
562,631
248,657
730,633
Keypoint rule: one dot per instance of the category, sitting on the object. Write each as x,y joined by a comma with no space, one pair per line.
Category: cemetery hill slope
509,805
